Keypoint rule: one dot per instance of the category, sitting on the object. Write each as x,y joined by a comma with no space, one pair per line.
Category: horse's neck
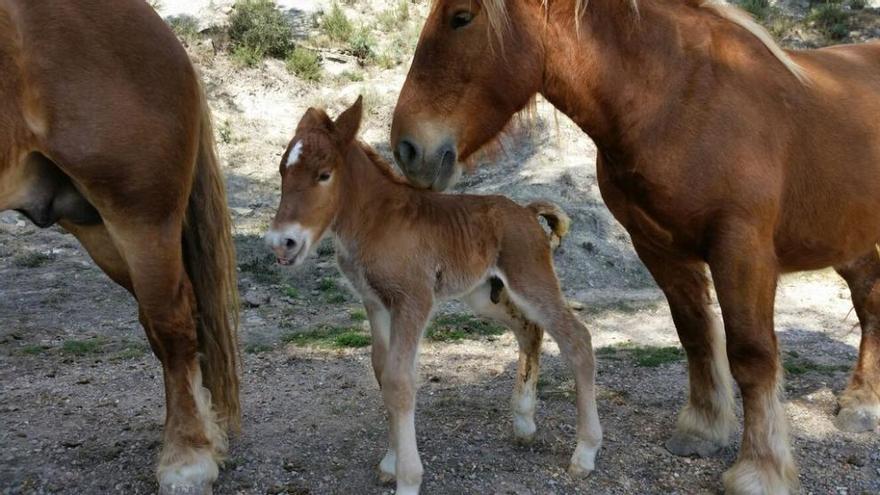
616,72
365,189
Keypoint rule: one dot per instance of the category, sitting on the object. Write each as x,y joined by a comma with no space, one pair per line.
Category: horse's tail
210,261
556,218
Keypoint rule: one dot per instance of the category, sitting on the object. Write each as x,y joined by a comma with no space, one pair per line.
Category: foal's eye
324,177
461,19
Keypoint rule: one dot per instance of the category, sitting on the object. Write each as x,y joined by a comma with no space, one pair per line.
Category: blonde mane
499,22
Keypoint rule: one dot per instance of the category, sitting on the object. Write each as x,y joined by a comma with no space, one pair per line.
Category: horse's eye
324,177
461,19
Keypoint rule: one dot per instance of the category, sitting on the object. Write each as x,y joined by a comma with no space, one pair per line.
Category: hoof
578,472
403,489
857,419
688,444
201,488
583,461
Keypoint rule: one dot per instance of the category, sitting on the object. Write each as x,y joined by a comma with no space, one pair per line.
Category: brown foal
104,129
716,148
402,249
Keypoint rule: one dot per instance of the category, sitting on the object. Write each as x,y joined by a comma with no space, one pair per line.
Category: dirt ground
81,400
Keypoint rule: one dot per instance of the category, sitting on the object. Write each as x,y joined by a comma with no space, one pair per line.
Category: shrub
831,20
257,29
361,44
186,27
336,25
305,64
760,9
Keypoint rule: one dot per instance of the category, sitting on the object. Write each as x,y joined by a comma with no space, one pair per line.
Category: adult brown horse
716,147
104,129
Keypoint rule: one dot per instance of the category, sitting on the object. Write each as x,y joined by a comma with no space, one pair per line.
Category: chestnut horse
716,147
104,129
402,249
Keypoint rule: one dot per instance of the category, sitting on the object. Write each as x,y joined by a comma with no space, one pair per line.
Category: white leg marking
409,466
524,413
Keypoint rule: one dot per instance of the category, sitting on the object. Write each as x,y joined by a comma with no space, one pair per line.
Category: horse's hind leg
193,440
860,402
529,337
707,420
533,288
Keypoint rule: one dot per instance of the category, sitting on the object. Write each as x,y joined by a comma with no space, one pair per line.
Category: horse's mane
382,165
499,22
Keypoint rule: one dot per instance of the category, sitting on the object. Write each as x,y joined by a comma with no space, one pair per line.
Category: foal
403,248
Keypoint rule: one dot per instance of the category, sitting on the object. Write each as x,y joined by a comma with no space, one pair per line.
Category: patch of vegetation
224,131
33,259
858,4
82,347
305,64
333,294
290,292
759,9
186,27
326,249
794,365
33,350
361,44
329,336
357,315
336,25
830,19
391,19
644,356
262,269
356,76
258,29
257,348
457,327
131,350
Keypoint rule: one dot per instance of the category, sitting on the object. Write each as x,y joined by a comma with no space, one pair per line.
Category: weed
831,20
357,315
361,44
32,259
456,327
305,64
83,347
186,27
329,336
760,9
290,292
257,348
336,25
644,356
224,131
33,350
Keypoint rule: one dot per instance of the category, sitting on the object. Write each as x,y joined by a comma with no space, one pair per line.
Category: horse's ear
314,118
348,123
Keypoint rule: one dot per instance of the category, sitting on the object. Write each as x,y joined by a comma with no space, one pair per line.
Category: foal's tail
210,260
556,218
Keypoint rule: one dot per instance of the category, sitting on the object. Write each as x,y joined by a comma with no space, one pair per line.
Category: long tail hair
209,254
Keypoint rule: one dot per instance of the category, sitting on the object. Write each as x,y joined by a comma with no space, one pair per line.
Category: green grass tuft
257,348
336,24
457,327
186,27
82,347
644,356
759,9
357,315
329,336
33,259
831,20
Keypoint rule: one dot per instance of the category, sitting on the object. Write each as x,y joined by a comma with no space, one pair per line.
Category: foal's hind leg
529,337
534,290
707,420
192,439
860,402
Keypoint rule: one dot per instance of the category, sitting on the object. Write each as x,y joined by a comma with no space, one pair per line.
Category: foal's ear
314,118
349,121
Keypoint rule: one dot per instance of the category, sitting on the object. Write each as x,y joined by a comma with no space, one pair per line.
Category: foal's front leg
380,329
399,390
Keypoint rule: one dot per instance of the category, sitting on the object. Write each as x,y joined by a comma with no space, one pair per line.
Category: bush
361,44
759,9
336,25
831,20
257,29
186,27
305,64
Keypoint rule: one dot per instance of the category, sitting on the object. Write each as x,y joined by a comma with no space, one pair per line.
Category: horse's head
310,182
478,62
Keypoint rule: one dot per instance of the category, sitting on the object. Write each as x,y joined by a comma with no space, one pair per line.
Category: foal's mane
499,22
382,165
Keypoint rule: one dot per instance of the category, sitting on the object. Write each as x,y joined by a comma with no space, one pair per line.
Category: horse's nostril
407,152
290,243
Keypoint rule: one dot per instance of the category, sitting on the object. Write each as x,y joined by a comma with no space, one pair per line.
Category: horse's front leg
380,329
745,271
706,422
399,389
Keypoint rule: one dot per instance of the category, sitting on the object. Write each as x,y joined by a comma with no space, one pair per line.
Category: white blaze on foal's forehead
294,154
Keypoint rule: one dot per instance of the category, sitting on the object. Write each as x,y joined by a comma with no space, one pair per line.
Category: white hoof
858,419
523,429
194,478
404,489
583,461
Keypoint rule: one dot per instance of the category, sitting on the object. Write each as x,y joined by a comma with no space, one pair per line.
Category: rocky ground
81,406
